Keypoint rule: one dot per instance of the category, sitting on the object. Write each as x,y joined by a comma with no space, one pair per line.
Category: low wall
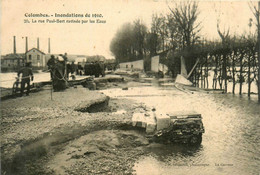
133,65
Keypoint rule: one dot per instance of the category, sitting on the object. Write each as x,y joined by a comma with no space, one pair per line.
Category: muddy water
230,144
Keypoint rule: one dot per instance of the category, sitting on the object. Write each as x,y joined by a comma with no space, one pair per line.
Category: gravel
36,129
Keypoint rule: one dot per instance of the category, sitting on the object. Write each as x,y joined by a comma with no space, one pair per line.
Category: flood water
230,145
7,79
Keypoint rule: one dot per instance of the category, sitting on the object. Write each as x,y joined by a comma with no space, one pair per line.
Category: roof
35,49
13,56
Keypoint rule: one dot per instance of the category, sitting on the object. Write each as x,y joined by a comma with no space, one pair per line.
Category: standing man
27,75
65,58
51,65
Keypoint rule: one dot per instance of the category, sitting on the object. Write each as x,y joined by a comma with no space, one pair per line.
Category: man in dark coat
27,75
59,76
51,65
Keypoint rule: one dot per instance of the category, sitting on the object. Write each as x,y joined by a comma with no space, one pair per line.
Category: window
38,57
30,57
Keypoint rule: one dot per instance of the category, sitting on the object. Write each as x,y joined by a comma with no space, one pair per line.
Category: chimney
38,43
49,45
14,46
26,44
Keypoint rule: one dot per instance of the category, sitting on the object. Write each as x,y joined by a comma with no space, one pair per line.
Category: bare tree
155,33
256,12
225,40
129,42
185,17
139,33
159,27
173,33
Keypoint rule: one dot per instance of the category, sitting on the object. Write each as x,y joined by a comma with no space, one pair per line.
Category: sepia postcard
146,87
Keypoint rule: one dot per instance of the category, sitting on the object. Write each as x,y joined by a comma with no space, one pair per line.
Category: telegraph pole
26,44
14,45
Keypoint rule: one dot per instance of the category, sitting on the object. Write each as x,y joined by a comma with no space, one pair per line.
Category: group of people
59,71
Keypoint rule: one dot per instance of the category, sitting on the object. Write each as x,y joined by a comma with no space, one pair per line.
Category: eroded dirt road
43,137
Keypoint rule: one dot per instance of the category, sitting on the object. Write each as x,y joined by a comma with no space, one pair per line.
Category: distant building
81,60
12,62
71,58
133,65
36,57
95,58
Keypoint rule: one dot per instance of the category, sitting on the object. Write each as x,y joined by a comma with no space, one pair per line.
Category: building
95,58
12,62
36,57
133,65
71,58
81,60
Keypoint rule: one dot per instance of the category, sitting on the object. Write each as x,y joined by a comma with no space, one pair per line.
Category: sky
95,38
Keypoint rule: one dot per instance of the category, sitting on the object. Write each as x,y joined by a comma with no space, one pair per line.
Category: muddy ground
40,135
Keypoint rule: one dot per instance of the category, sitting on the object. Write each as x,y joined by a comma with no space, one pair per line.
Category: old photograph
122,87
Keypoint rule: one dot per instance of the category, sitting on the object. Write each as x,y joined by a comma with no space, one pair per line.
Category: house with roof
132,65
12,62
36,57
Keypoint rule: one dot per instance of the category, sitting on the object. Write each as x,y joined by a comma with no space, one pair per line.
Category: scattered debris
182,80
186,127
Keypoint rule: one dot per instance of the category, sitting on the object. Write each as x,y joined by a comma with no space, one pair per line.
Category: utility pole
26,49
14,45
26,44
38,43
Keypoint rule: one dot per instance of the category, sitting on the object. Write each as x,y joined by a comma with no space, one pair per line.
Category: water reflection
164,152
169,159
